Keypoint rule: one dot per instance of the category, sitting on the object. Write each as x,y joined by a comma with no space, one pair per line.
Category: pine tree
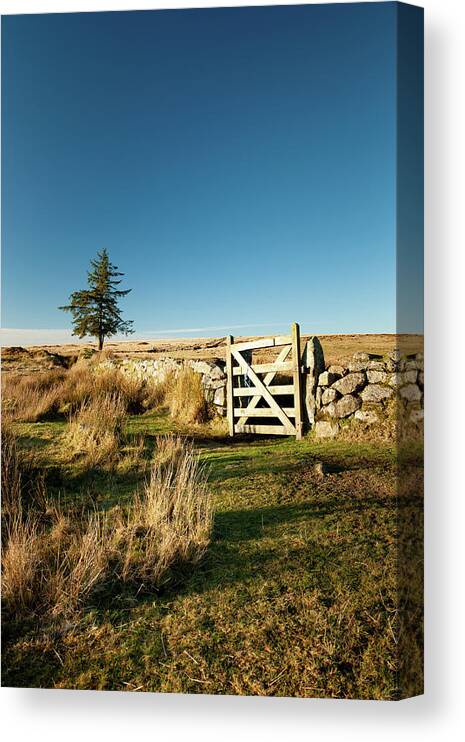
95,310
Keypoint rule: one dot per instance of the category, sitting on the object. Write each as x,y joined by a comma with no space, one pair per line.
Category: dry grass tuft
42,395
51,566
31,397
85,382
156,390
170,522
133,455
21,556
100,356
78,386
113,381
22,483
96,429
79,567
169,450
51,572
12,475
186,398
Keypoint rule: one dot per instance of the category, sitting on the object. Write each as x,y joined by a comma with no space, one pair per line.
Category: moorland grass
95,430
296,594
185,398
54,558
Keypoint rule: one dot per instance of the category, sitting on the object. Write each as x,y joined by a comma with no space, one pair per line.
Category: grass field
297,594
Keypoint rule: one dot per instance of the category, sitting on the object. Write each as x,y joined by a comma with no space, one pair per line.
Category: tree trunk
100,342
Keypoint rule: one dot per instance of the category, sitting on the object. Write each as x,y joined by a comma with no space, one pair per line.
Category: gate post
313,361
297,380
229,385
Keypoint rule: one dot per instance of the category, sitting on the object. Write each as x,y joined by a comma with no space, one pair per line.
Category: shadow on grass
82,489
238,555
247,546
34,443
247,461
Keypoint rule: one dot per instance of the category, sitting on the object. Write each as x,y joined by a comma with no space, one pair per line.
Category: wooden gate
252,383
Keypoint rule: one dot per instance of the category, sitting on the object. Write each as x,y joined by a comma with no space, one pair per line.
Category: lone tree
95,310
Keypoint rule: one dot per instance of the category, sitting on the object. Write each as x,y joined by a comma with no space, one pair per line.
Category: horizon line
13,336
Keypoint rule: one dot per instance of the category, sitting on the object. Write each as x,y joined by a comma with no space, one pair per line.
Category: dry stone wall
363,392
212,373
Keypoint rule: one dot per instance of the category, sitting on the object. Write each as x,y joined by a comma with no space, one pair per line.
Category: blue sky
238,164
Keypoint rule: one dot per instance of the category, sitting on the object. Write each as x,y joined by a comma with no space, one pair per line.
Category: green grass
296,596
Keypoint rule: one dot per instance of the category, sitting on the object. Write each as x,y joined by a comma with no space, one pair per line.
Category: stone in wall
393,362
400,378
219,399
337,370
350,383
328,410
376,393
356,366
413,364
376,365
216,373
417,416
328,395
326,429
326,378
347,405
410,392
200,367
377,377
361,361
395,380
343,407
410,376
369,417
212,383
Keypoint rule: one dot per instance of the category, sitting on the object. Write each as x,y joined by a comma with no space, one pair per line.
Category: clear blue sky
238,164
